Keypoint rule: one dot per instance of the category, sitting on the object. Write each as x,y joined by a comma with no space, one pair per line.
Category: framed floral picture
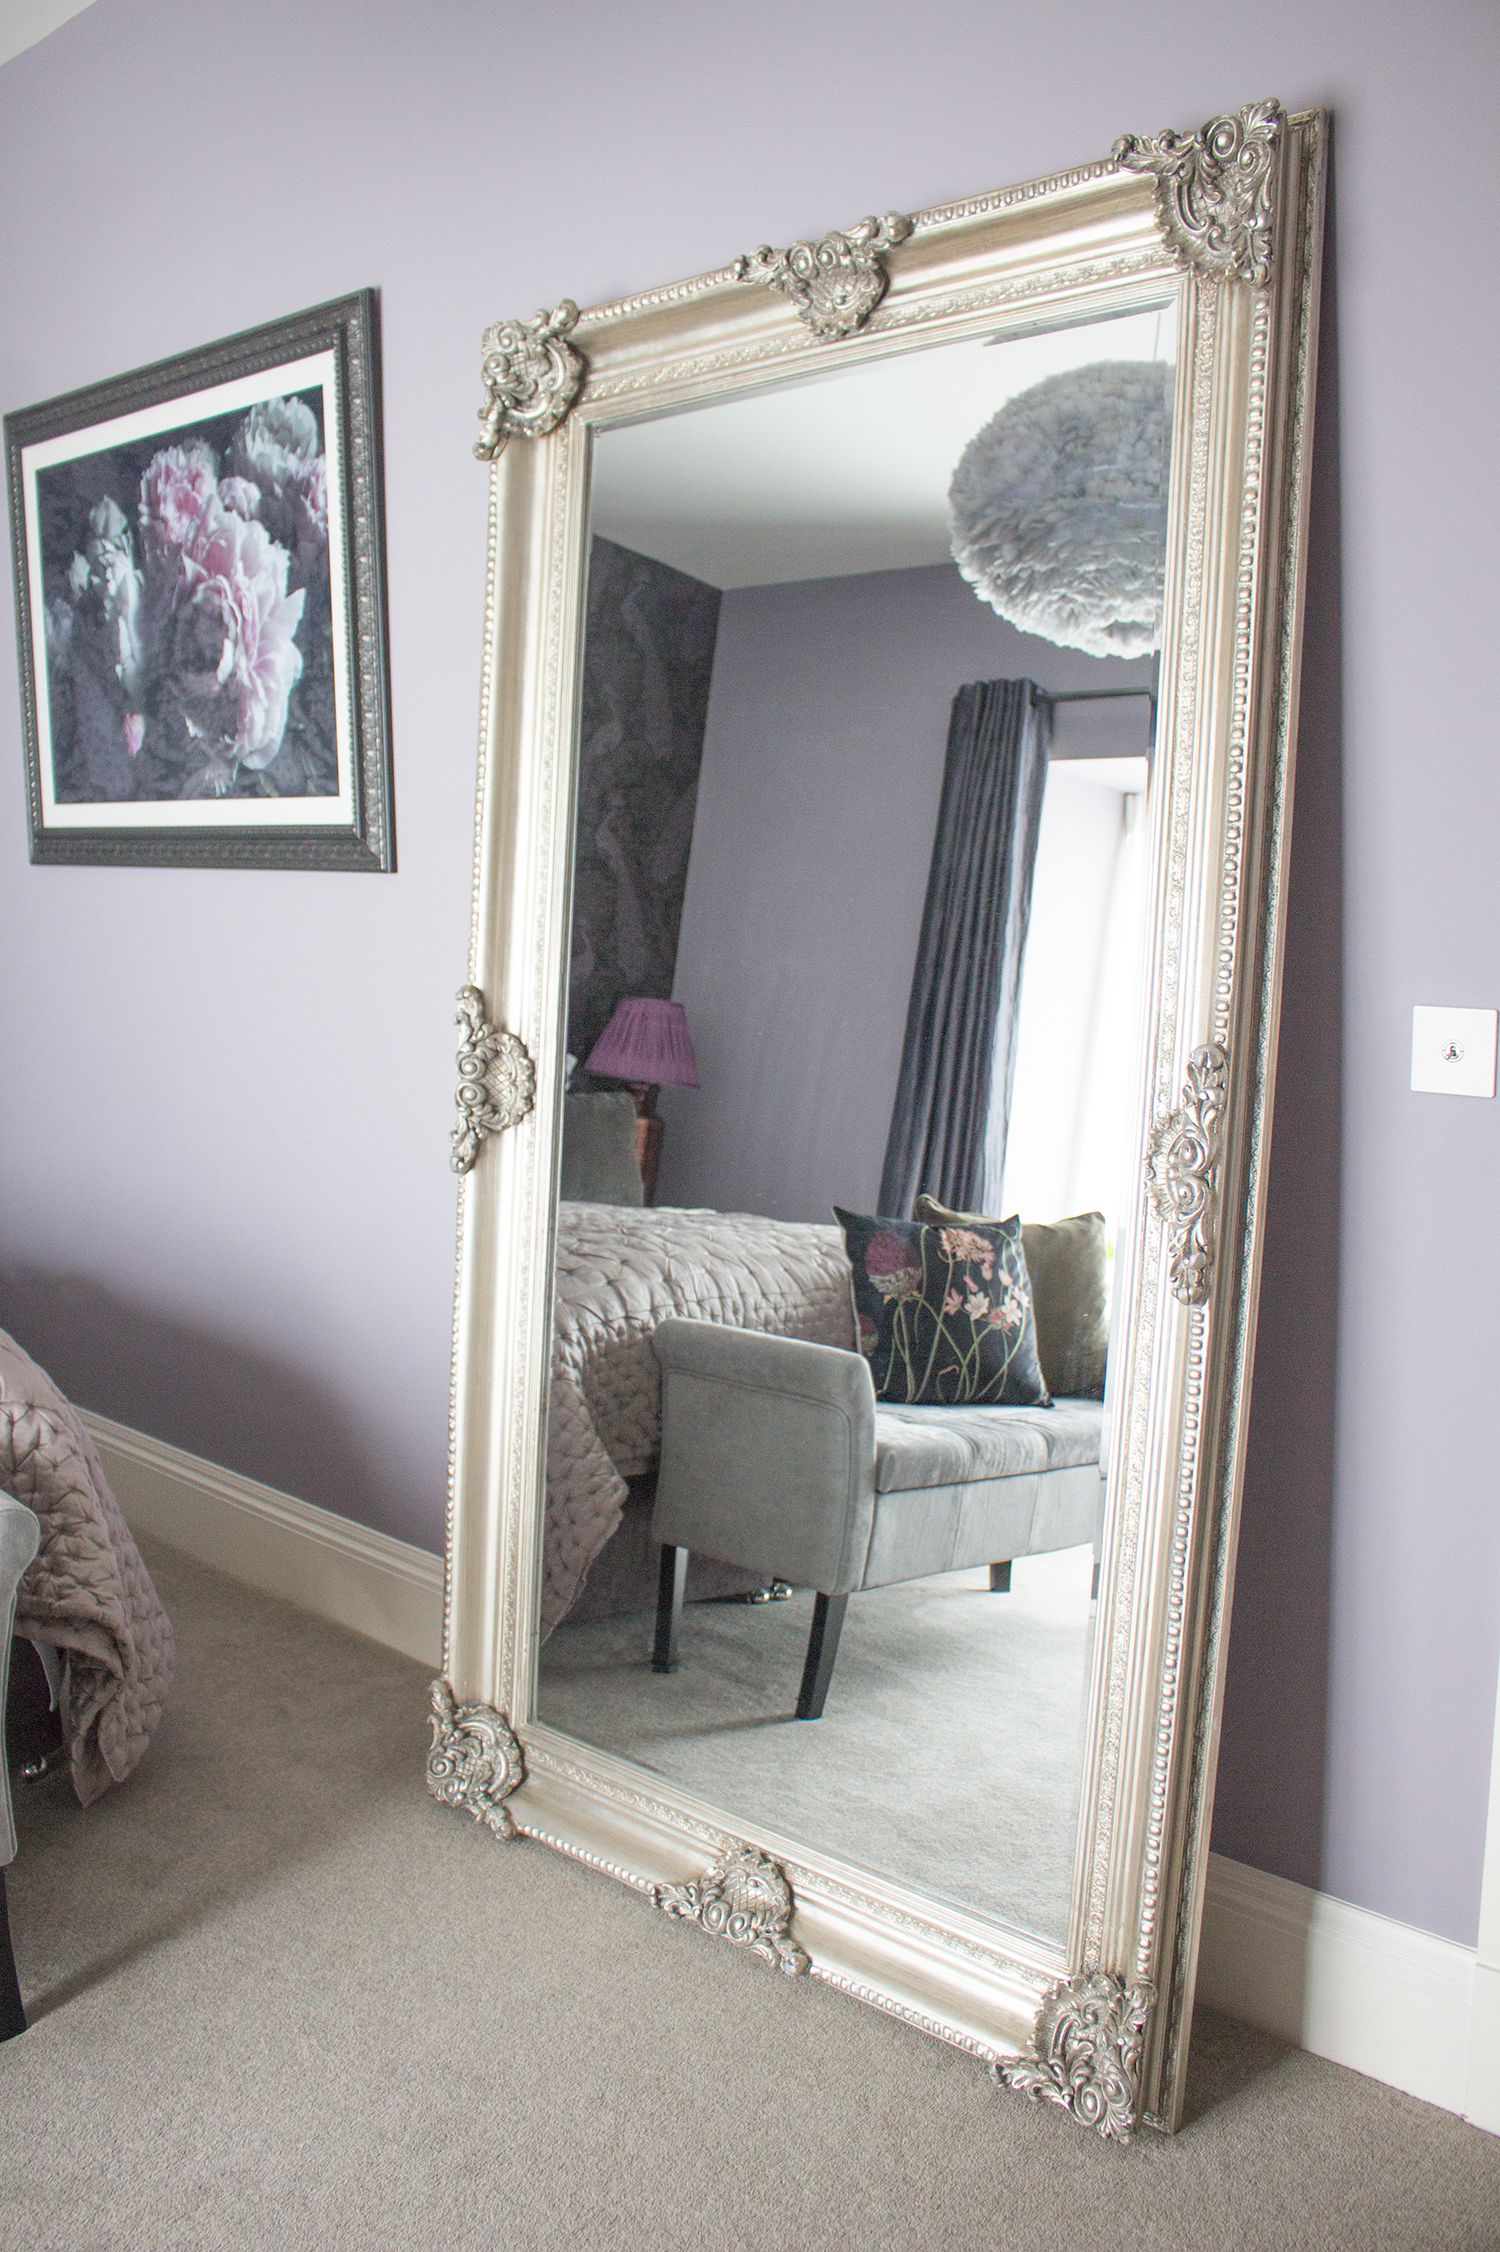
200,600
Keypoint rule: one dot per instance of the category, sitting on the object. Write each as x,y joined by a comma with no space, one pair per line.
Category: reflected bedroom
858,944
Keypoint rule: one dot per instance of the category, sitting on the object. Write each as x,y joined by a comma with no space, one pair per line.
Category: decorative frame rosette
532,375
836,282
496,1080
1216,188
745,1899
1183,1173
475,1761
1090,2038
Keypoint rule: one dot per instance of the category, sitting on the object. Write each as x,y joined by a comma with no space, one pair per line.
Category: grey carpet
950,1753
283,2000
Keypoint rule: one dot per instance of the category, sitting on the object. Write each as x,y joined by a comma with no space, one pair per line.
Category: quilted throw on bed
87,1594
620,1271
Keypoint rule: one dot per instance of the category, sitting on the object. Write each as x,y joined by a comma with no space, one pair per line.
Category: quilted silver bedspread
620,1271
87,1593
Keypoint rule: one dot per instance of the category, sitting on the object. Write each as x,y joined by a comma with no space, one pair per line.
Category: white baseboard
1482,2100
341,1571
1483,2103
1387,2000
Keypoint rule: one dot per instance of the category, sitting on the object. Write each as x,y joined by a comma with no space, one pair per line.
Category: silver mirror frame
1225,223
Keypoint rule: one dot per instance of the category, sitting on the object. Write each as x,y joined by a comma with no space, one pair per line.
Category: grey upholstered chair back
20,1537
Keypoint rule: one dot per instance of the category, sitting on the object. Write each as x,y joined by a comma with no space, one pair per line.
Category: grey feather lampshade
1058,507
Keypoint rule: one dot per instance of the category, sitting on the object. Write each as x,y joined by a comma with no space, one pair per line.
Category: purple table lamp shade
647,1043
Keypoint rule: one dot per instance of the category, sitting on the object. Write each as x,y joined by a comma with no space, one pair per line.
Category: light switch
1453,1051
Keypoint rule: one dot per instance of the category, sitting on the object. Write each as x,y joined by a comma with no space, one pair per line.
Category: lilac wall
817,802
224,1200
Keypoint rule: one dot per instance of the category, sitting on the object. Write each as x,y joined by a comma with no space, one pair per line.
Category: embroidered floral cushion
1066,1262
944,1315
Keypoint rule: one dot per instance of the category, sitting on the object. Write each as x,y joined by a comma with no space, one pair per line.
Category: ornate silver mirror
888,719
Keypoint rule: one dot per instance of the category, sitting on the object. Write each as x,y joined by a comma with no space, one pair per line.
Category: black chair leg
12,2010
1000,1579
822,1649
669,1592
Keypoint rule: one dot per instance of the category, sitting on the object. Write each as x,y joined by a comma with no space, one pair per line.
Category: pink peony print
309,503
276,440
236,632
188,618
179,489
275,449
310,500
107,587
58,618
239,496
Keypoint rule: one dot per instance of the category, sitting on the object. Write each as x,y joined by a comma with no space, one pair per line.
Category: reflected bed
621,1271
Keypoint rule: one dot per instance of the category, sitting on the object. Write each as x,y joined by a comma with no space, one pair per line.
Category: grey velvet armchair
777,1456
20,1536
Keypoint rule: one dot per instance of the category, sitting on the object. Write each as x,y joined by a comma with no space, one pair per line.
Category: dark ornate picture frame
199,552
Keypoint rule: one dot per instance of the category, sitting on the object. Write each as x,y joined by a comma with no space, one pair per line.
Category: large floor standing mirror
864,1086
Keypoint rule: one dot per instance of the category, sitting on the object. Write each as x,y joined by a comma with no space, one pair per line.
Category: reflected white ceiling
1127,774
846,473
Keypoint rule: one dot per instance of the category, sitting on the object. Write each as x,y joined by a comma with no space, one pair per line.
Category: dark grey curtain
952,1109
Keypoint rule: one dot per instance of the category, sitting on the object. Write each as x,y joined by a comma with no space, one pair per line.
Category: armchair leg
12,2010
1000,1578
669,1593
822,1649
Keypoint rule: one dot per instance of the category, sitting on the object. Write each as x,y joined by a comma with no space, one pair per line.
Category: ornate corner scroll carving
532,375
475,1762
835,284
1215,189
744,1898
1182,1170
1087,2054
496,1080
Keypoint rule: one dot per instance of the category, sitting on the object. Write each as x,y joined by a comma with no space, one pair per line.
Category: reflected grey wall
648,658
224,1121
822,772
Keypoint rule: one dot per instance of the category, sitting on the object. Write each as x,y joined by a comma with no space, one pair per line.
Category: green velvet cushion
1065,1260
944,1314
599,1163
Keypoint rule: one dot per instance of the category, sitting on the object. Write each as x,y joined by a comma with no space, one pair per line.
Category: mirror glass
860,913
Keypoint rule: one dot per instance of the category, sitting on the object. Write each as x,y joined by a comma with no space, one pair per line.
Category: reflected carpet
950,1755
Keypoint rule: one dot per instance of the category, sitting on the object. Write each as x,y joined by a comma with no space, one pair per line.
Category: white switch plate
1453,1051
